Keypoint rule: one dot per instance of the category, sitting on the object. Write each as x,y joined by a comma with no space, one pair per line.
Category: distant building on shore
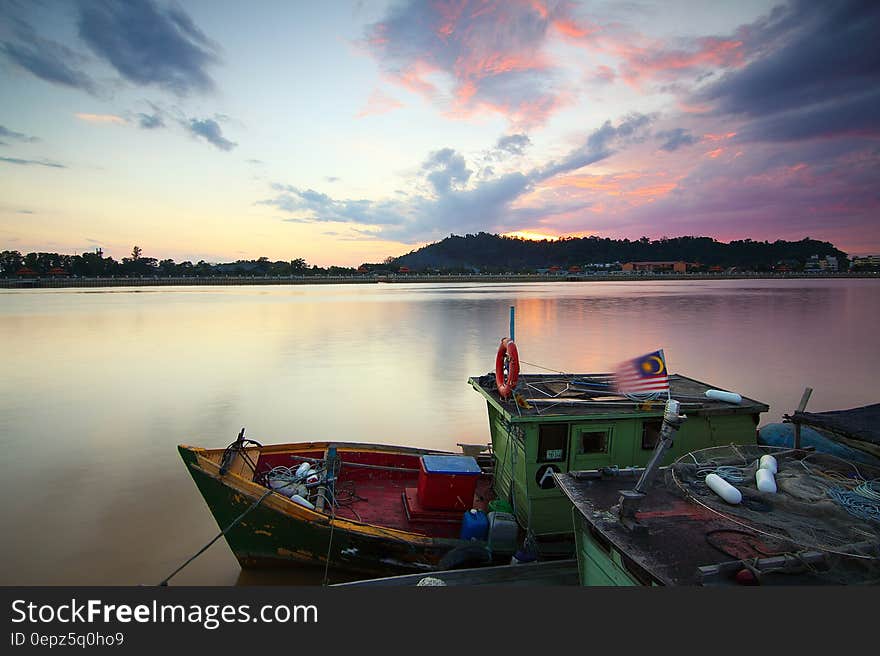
654,267
865,262
828,263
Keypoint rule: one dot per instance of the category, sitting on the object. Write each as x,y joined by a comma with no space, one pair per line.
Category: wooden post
805,397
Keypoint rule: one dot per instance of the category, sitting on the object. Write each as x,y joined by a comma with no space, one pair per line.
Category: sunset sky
344,132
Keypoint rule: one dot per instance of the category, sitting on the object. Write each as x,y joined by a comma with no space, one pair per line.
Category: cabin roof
677,535
573,402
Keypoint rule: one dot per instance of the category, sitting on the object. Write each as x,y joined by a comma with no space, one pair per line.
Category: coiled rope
863,501
729,473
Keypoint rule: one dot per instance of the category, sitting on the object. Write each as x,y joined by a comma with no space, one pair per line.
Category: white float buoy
280,484
723,489
769,462
765,480
303,502
721,395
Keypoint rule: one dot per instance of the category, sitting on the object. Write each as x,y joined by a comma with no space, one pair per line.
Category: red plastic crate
447,482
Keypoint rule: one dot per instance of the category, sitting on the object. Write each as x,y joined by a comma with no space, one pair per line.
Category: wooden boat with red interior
354,507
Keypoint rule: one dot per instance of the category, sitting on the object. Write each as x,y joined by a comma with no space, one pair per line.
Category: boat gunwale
599,521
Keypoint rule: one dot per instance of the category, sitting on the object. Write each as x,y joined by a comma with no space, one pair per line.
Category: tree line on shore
498,253
95,265
482,252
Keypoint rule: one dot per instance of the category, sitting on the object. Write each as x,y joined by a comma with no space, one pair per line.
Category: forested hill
489,252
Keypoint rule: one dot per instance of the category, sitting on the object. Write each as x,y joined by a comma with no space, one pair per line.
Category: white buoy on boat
302,469
723,489
765,480
769,462
303,502
721,395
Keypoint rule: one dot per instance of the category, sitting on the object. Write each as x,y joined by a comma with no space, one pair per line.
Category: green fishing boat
556,423
817,524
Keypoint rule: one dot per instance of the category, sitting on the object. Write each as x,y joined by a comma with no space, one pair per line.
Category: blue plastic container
474,525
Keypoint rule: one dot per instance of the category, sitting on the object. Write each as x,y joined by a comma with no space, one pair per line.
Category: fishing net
822,502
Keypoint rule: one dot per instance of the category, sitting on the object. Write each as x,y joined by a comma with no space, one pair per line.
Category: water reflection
99,386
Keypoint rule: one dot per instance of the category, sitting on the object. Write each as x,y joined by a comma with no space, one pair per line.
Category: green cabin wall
547,512
598,565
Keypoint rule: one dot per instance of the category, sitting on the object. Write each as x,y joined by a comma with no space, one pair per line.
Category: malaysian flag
643,375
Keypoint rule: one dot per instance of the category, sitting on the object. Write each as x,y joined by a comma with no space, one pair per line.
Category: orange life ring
508,349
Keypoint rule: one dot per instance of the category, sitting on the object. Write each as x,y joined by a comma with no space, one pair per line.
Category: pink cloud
831,198
610,194
758,192
379,103
101,118
718,137
496,54
659,61
573,30
644,59
604,74
493,53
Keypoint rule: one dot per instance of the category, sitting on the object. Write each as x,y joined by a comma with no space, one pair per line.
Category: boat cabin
555,423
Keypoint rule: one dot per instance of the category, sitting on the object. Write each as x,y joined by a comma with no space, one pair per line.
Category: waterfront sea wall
160,281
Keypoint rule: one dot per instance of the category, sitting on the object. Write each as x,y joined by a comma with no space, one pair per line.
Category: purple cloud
494,54
6,133
446,169
675,139
44,58
457,204
816,74
32,162
148,44
511,144
150,121
209,130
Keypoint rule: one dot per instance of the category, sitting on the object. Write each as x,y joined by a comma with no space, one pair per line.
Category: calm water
99,386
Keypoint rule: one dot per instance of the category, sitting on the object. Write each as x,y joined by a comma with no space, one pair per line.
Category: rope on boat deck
555,371
330,541
235,522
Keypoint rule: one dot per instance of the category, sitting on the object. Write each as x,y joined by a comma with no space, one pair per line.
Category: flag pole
668,387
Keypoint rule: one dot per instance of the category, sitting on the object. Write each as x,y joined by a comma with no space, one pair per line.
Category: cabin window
593,442
651,434
552,442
